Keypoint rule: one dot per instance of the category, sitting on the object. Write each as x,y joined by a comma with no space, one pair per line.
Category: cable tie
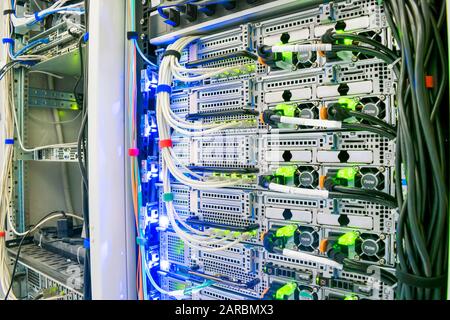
9,141
141,241
133,152
28,62
37,17
165,144
164,88
167,197
174,53
421,282
8,40
429,82
9,11
87,243
132,35
392,65
2,234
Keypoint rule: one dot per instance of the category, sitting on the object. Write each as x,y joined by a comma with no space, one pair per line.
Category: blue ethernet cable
151,64
40,17
28,47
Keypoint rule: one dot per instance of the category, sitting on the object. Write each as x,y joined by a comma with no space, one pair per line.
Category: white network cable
169,70
6,158
56,8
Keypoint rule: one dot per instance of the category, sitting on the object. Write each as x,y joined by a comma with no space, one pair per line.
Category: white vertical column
112,236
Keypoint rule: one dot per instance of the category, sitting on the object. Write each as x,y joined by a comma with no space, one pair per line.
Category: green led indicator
287,172
348,239
288,110
347,174
286,291
286,231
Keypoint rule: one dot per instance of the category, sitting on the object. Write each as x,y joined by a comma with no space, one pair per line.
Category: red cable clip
133,152
165,144
2,234
429,82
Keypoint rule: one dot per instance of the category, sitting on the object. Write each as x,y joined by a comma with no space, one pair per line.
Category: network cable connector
232,52
59,39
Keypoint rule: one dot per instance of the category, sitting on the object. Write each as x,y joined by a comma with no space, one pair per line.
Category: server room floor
224,150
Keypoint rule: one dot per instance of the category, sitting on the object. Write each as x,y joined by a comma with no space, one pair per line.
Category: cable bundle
422,236
170,68
57,7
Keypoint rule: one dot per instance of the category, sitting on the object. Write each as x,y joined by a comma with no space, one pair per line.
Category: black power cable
422,235
82,145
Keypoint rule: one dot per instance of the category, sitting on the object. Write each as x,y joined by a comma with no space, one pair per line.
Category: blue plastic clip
164,88
37,17
87,243
9,141
8,40
86,37
141,241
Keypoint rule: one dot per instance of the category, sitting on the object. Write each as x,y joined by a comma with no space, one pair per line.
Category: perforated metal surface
313,86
